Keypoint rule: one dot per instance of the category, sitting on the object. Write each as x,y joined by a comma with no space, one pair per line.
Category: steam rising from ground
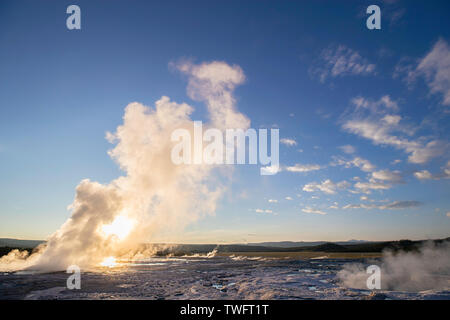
154,196
429,268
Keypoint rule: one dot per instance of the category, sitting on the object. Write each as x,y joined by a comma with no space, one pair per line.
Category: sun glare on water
120,227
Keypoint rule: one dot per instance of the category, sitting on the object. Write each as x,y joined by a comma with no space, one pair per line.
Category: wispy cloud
363,164
315,211
372,184
348,149
396,205
378,122
264,211
340,61
327,186
288,142
303,167
434,67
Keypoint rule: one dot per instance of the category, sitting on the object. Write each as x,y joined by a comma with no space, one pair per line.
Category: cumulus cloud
315,211
289,142
327,186
270,170
372,184
273,201
423,175
387,175
427,175
340,61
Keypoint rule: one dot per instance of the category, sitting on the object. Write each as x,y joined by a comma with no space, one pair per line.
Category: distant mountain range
17,243
293,244
346,246
283,246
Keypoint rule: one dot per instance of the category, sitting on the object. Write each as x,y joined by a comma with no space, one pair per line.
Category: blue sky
312,69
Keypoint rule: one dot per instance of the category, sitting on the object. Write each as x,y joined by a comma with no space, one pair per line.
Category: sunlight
120,227
109,262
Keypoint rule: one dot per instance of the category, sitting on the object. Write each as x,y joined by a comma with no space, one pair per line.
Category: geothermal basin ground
198,277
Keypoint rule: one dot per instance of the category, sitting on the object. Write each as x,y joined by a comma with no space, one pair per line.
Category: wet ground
202,278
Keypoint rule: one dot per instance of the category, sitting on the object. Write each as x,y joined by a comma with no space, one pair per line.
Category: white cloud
363,164
273,201
387,175
396,205
270,170
427,175
423,175
376,123
303,167
288,198
289,142
348,149
401,205
340,61
327,186
384,103
372,184
311,210
263,211
435,67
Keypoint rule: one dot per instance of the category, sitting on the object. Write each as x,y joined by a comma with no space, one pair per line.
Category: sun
109,262
120,227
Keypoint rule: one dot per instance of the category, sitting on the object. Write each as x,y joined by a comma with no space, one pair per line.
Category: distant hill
293,244
348,246
352,246
16,243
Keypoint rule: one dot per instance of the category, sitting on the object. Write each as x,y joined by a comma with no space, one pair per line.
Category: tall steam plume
154,196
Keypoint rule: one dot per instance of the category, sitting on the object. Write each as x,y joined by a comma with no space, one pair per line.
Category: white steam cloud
154,197
427,269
